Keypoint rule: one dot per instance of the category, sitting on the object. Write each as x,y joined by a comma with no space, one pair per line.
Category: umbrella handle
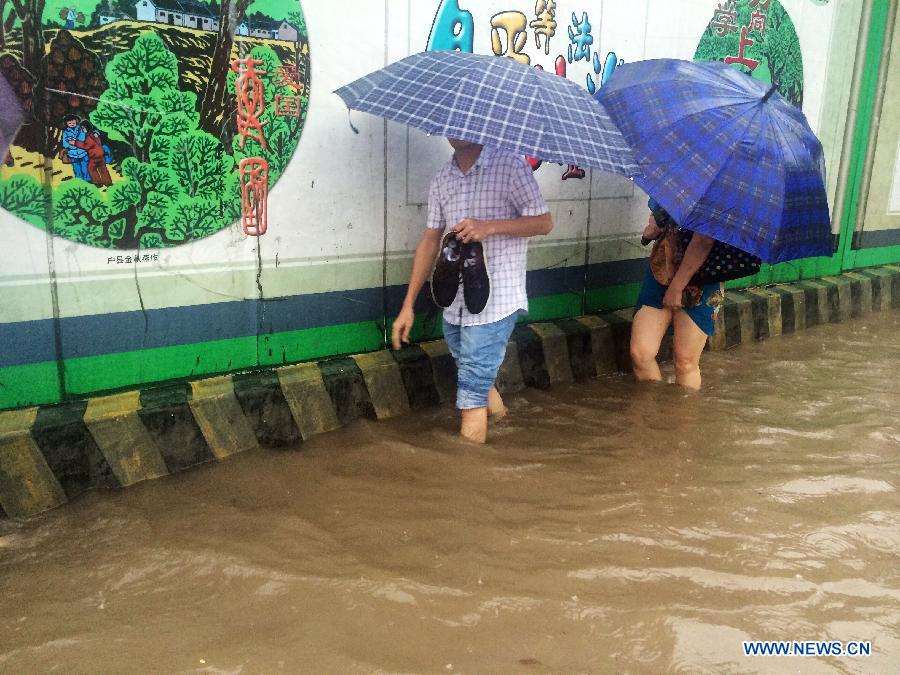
770,92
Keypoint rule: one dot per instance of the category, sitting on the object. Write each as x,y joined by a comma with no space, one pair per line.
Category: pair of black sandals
461,263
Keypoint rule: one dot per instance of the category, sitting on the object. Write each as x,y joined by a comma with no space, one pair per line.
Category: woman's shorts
703,313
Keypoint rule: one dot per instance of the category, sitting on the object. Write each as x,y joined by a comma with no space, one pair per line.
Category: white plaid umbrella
495,101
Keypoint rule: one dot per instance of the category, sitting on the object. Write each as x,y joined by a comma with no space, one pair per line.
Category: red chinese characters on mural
254,173
724,22
758,23
287,106
740,58
758,18
250,102
725,18
288,76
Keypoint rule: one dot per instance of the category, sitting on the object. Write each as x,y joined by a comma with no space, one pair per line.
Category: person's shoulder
507,159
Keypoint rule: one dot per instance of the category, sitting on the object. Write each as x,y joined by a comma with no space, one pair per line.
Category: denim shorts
703,313
478,352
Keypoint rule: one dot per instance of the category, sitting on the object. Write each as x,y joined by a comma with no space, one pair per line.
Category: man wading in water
491,202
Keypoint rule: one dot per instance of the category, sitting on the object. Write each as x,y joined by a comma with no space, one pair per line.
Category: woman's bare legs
647,331
689,343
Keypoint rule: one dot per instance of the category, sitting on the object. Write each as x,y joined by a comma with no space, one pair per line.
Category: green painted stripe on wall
132,369
551,307
610,298
32,384
869,257
315,343
37,384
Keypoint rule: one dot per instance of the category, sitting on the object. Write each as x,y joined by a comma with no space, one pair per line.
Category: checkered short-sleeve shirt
499,186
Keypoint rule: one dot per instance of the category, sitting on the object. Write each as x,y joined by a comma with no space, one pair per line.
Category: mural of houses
191,14
185,13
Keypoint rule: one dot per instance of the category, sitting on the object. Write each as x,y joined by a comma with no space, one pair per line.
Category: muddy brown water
607,527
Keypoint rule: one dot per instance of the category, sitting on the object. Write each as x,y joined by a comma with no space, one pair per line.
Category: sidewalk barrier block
620,325
418,376
839,298
347,388
882,280
666,353
70,450
555,346
220,418
266,409
579,344
739,324
123,439
766,313
860,293
717,341
603,349
894,271
306,396
509,377
27,485
443,367
531,357
793,308
384,383
818,306
168,417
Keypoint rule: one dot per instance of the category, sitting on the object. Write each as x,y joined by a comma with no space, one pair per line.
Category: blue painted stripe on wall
876,239
27,342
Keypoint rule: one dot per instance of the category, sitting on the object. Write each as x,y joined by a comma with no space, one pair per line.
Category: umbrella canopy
494,101
724,154
11,117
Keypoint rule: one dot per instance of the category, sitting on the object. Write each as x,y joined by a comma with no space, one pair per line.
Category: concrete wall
78,315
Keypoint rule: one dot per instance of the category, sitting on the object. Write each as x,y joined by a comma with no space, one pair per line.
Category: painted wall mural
151,123
756,36
513,32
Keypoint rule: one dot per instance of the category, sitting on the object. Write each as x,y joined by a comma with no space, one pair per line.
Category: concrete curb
50,455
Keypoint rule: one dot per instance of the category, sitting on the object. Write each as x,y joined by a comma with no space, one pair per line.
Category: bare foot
496,407
474,425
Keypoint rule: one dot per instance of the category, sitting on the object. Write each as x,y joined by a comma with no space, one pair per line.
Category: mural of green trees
179,185
777,48
174,178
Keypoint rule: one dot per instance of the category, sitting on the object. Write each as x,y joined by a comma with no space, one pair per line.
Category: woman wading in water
668,298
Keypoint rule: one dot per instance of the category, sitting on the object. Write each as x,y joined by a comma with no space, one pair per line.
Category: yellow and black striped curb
51,454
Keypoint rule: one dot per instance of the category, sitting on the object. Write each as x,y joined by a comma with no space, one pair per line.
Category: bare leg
689,342
474,425
496,407
647,331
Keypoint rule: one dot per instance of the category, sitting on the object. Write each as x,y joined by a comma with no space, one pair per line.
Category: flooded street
607,527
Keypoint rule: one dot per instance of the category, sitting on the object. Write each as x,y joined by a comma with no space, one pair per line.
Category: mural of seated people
70,153
98,154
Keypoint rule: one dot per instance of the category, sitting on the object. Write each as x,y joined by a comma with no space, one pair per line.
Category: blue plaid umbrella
494,101
725,155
